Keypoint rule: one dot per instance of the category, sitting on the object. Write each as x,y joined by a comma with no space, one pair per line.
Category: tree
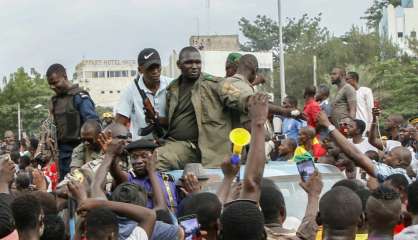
413,45
29,91
304,34
395,83
302,38
375,12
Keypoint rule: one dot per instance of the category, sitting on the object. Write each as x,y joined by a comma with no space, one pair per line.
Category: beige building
105,79
215,42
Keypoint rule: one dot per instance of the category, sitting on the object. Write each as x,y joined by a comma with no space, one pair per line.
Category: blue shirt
291,127
383,171
166,183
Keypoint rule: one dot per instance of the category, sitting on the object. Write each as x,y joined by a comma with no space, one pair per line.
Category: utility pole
282,75
19,125
315,83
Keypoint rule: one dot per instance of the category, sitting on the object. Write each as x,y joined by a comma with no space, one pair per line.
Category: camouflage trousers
174,155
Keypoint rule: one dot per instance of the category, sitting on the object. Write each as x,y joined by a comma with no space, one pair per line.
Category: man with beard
9,145
89,148
141,152
344,102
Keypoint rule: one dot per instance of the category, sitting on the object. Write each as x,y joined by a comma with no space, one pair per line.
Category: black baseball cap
141,144
148,57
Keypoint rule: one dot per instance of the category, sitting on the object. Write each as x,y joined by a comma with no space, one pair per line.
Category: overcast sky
37,33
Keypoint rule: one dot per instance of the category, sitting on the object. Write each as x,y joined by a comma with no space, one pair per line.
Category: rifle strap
141,92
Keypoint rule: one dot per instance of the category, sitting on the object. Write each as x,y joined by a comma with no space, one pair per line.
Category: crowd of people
108,177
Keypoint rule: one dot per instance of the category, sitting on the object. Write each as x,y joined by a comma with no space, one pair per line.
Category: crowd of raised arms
166,164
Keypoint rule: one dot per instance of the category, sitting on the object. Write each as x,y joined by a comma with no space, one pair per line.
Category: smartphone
306,168
191,227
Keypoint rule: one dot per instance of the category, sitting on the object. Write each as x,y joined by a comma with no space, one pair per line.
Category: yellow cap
239,137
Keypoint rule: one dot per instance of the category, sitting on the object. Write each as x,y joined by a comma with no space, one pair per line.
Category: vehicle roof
272,169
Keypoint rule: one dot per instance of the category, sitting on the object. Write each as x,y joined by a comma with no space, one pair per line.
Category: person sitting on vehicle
143,173
89,149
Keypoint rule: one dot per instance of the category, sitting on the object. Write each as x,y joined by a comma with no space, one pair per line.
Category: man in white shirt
131,108
355,131
364,100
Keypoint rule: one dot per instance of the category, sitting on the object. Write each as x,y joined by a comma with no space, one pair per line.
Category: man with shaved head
89,149
199,112
345,101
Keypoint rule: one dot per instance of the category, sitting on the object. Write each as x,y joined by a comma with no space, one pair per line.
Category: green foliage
365,53
413,45
395,83
375,12
29,91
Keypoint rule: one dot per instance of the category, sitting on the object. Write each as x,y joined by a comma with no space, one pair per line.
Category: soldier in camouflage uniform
199,112
89,149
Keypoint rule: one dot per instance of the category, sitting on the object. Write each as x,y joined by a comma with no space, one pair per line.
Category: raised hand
322,119
314,185
105,139
191,184
109,145
258,108
150,163
375,113
39,180
229,170
77,190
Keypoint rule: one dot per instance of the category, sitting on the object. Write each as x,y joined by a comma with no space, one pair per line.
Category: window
110,74
102,92
110,91
125,73
102,74
88,74
400,34
117,73
133,73
118,91
413,34
95,74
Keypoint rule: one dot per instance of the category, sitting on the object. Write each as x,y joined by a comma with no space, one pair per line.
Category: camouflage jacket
215,100
81,155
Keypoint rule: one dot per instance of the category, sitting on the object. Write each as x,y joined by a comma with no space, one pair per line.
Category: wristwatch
331,128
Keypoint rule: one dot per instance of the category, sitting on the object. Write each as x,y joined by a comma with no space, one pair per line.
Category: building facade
105,79
400,23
